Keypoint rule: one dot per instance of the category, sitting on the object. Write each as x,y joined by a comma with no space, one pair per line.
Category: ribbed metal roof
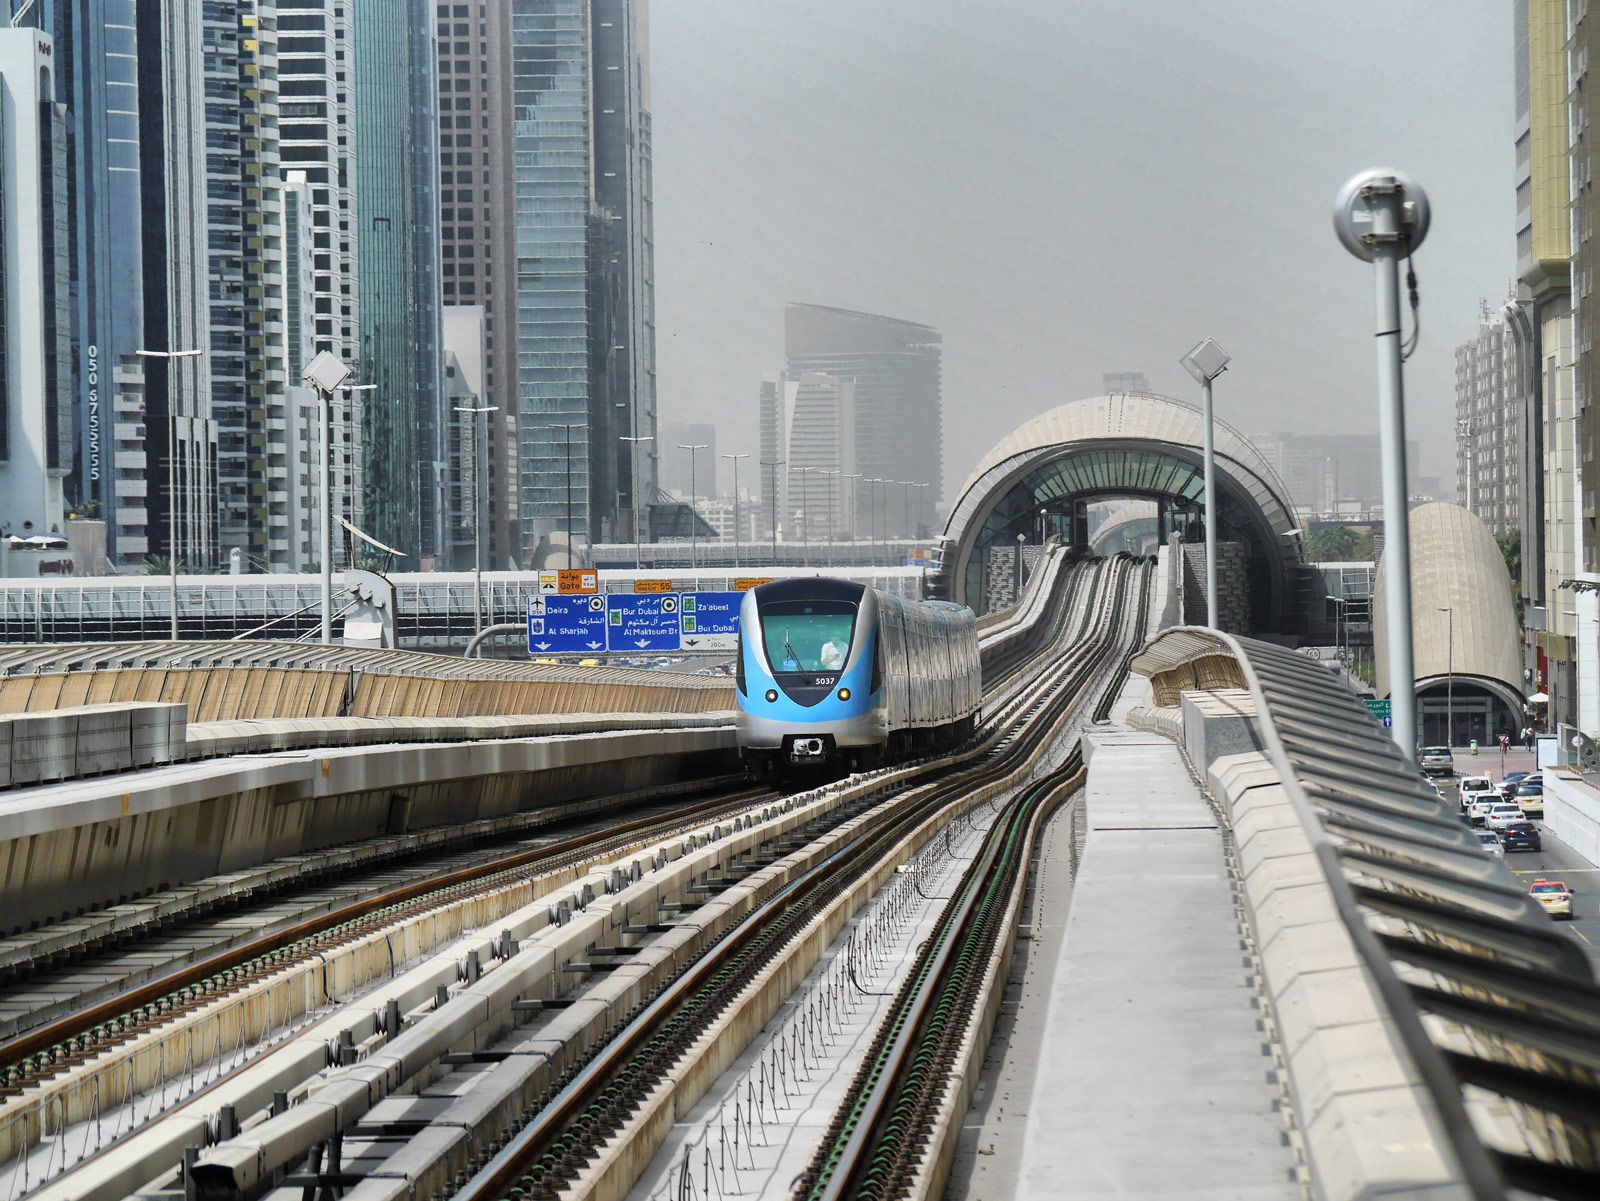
1455,564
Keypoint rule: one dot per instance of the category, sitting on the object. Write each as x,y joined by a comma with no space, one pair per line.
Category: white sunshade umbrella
1539,698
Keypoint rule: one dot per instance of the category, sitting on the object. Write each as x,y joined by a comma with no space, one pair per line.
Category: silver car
1489,844
1437,761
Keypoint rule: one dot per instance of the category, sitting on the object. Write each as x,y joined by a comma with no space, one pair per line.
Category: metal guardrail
1484,991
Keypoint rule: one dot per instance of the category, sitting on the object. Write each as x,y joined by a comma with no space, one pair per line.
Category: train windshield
808,635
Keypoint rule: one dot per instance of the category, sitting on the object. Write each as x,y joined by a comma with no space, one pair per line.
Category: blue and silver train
841,677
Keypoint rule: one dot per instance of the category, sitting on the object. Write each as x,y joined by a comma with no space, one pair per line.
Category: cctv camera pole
1211,510
1382,216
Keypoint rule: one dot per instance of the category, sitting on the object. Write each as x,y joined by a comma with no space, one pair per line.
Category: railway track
575,1126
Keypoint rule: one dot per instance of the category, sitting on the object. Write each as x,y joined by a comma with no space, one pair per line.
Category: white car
1476,786
1489,844
1502,814
1478,809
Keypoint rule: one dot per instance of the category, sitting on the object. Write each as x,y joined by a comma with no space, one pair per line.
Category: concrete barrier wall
89,740
1572,812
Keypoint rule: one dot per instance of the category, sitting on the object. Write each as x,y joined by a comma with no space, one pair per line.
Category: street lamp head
326,372
1363,193
1206,361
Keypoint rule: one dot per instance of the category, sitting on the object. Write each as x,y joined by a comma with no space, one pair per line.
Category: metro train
835,677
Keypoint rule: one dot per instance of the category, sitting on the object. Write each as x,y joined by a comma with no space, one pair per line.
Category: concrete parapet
1572,812
1217,723
89,740
1369,1125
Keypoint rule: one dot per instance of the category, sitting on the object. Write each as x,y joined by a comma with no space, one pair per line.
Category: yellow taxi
1555,896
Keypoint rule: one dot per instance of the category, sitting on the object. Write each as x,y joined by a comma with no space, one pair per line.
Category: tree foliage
1339,544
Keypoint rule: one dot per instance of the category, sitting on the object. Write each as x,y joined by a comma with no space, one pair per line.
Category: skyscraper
36,441
1489,425
181,436
397,215
317,143
897,428
585,272
476,198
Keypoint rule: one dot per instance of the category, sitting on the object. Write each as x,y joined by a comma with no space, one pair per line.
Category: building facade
585,269
36,434
1544,250
1489,425
776,402
897,431
316,146
396,221
477,230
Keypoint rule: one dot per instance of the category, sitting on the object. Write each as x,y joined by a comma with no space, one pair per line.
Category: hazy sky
1070,187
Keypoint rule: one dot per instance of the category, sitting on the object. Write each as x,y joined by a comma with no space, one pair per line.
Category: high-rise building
249,338
898,426
1489,425
317,143
1124,381
822,456
1544,250
1331,473
477,230
585,269
397,244
181,435
678,464
776,404
97,81
36,436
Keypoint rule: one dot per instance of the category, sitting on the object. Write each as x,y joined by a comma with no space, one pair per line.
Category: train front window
808,636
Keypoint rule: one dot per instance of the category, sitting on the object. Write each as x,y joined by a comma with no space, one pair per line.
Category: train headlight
772,695
844,694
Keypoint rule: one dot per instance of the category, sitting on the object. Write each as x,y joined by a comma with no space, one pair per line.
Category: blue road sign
710,620
566,625
642,623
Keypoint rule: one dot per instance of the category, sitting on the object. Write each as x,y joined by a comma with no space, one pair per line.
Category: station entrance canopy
1039,479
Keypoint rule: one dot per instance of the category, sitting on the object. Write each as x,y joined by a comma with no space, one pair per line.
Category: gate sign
566,625
642,623
709,620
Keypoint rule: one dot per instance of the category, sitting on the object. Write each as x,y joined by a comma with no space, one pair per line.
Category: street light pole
805,519
694,535
736,459
1450,680
481,437
1205,362
172,475
831,476
638,540
1381,216
773,465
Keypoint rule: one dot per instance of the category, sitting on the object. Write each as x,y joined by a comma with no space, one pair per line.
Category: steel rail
24,1058
564,1132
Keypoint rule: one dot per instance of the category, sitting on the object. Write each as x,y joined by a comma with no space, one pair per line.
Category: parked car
1503,815
1555,896
1437,761
1489,844
1520,836
1530,798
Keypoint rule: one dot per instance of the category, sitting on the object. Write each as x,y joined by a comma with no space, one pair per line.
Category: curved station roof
1463,616
1127,444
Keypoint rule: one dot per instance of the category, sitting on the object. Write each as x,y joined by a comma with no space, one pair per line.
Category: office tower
1330,473
477,230
1489,420
397,214
248,282
1581,50
1543,241
181,437
776,403
585,274
298,540
822,459
898,426
36,437
317,142
96,45
1124,381
675,461
462,492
